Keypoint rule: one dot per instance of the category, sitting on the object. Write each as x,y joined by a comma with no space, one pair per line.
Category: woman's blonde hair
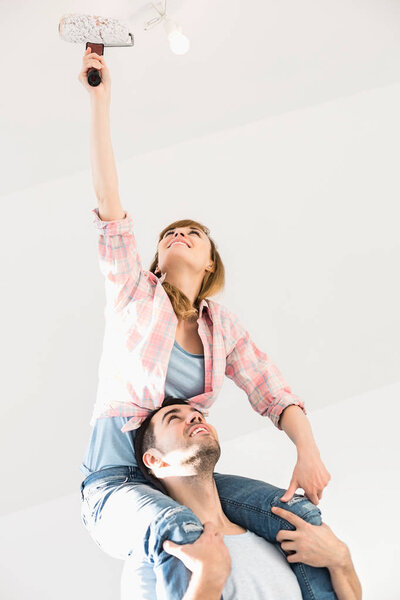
213,281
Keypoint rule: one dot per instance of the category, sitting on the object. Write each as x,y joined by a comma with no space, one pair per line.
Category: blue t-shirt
109,447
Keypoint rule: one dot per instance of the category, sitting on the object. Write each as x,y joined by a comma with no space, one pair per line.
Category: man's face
185,443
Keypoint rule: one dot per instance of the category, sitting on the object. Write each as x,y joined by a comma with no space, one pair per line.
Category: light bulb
178,42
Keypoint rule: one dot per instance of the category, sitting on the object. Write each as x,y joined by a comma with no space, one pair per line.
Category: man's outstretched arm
318,546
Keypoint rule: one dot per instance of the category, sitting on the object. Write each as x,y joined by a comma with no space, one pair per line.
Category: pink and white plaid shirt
140,326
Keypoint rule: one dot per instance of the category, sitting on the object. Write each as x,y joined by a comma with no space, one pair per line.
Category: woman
164,337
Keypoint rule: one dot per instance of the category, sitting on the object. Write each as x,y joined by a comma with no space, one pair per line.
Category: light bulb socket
170,26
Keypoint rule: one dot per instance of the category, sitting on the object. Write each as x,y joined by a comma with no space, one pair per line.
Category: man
177,450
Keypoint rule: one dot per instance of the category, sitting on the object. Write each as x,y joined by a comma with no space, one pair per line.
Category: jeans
125,514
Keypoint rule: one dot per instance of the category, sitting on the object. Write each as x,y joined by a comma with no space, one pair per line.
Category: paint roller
98,33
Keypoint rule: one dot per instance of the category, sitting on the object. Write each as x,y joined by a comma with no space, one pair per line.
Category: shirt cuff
277,411
118,227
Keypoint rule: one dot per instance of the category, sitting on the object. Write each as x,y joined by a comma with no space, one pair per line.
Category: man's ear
152,458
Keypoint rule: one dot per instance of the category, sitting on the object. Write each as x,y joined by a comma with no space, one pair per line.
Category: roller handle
93,75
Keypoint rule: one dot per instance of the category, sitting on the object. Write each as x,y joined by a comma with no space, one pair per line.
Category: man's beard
204,458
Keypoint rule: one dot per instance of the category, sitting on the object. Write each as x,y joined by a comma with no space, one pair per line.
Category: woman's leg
248,503
126,515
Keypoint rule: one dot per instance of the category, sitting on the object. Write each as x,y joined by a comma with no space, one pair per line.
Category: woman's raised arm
104,172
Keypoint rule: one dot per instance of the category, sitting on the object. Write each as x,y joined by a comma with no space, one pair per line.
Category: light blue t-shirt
109,447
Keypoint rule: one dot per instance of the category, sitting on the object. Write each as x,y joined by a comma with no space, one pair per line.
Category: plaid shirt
140,327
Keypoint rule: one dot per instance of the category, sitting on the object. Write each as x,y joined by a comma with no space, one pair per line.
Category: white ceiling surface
247,61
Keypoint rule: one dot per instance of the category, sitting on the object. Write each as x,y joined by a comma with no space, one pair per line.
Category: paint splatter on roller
98,33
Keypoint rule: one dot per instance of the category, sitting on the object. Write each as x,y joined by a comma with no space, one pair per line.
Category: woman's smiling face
184,246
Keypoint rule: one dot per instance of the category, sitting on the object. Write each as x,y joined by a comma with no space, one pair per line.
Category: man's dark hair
145,439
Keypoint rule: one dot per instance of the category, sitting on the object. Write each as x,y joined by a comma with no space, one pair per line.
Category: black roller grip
93,77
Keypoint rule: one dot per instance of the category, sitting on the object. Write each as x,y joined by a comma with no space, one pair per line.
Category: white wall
304,208
45,553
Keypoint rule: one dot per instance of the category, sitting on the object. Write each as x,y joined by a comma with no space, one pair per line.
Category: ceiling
247,61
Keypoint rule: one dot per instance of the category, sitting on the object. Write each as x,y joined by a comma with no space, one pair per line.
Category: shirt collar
203,304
